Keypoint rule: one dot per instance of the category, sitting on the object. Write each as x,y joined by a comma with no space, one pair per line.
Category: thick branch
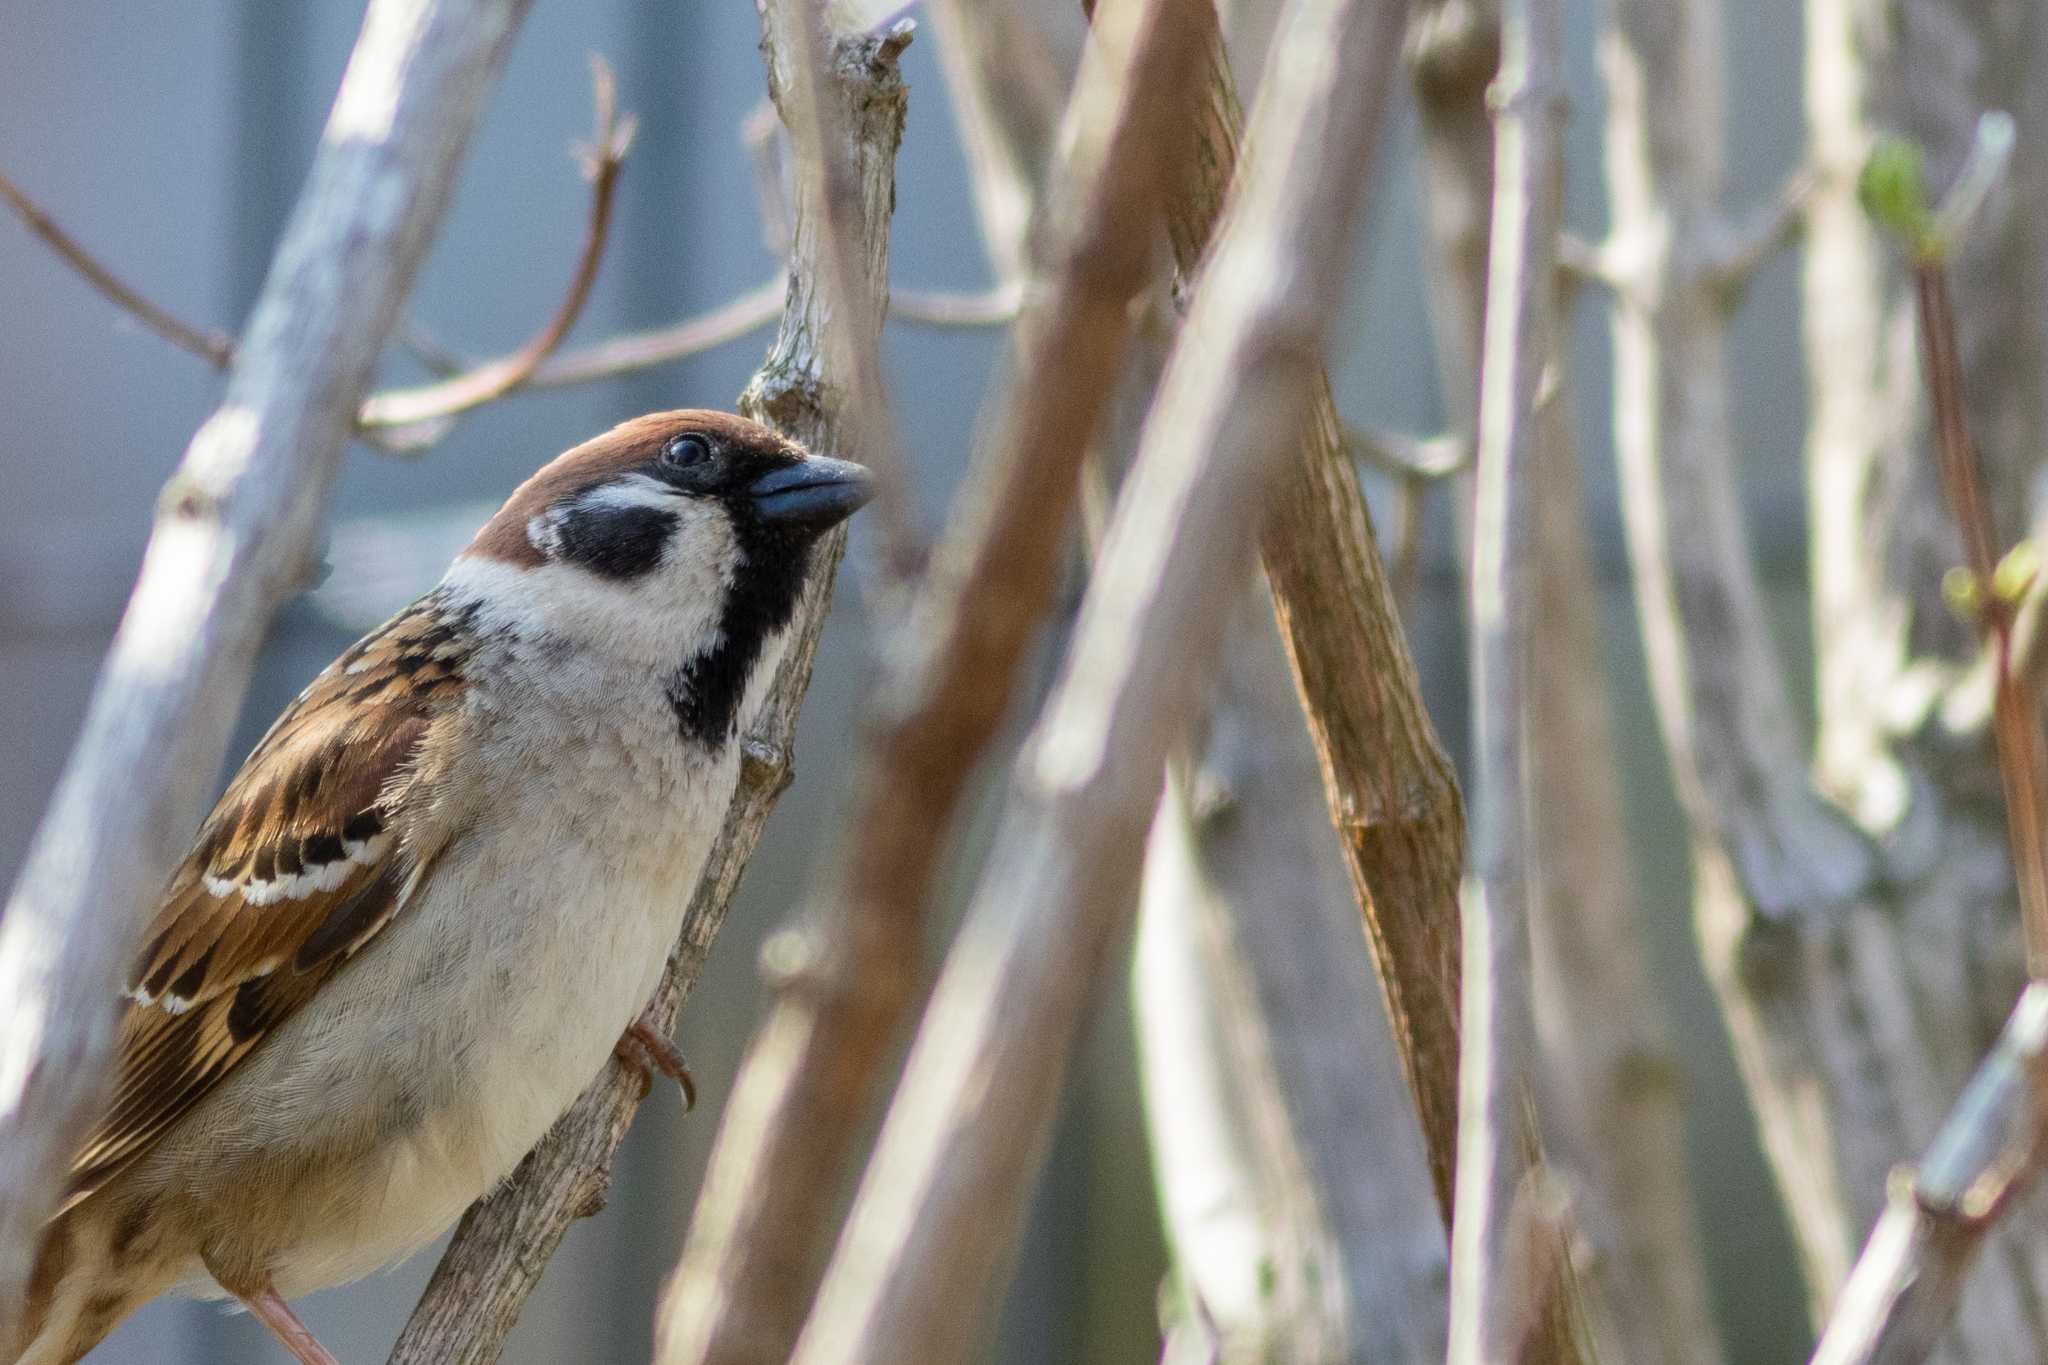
754,1251
215,348
235,536
940,1205
504,1242
1390,787
424,407
1493,1319
797,36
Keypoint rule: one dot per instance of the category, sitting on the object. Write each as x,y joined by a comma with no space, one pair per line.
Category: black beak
813,493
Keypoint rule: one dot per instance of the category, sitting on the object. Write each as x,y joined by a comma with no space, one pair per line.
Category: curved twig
494,379
215,348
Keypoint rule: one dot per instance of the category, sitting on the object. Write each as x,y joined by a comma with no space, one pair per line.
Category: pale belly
445,1051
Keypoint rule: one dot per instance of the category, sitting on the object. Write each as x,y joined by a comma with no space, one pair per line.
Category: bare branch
1410,457
939,1208
505,1240
1899,1299
799,42
2015,722
750,1265
1732,251
1291,1172
990,308
1389,785
424,406
215,348
235,535
1489,1321
635,351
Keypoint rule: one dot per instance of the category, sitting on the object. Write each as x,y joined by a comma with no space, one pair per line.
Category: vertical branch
940,1205
745,1279
506,1239
1291,1171
1612,1115
235,535
797,43
1389,785
1494,1318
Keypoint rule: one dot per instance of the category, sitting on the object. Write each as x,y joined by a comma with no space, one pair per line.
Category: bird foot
273,1312
643,1049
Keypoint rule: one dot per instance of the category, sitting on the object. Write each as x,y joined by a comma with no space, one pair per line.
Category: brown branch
2015,723
622,355
1490,1320
235,536
425,405
215,348
505,1240
757,1244
1389,785
1898,1301
942,1199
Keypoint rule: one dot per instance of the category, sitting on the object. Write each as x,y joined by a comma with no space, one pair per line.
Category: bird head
682,534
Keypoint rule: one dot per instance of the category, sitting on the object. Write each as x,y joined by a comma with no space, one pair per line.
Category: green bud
1893,188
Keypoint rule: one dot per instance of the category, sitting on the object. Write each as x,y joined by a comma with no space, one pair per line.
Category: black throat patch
707,688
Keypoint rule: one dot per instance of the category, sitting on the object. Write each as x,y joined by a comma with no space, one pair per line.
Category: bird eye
685,451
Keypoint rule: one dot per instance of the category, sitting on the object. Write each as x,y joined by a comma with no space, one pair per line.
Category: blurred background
172,140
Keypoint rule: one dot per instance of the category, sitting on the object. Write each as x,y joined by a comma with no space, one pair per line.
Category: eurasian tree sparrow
443,886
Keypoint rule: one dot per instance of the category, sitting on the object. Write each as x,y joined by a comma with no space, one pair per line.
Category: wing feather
310,852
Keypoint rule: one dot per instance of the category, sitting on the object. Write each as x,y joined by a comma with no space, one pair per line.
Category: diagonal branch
506,1239
1388,783
215,348
1898,1301
235,536
422,407
758,1242
941,1202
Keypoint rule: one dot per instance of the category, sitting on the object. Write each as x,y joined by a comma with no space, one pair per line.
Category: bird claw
642,1049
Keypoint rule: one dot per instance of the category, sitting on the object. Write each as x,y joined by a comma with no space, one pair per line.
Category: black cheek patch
617,542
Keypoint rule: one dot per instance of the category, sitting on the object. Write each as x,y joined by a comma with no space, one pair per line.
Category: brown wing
308,855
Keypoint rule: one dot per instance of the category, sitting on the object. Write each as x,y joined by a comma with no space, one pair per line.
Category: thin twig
506,1239
622,355
991,307
2014,721
940,1205
1903,1292
235,535
215,348
1490,1324
1735,250
423,406
1427,458
820,1058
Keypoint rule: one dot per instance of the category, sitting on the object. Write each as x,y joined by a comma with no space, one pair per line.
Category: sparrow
437,896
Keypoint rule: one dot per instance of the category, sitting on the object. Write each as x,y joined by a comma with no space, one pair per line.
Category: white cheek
657,618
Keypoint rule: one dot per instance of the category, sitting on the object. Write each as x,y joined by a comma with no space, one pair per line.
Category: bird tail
69,1307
